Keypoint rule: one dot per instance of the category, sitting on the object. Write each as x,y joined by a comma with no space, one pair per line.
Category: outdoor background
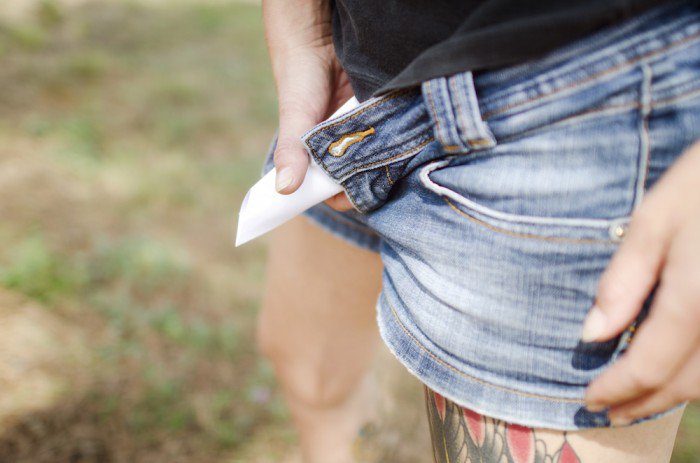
129,133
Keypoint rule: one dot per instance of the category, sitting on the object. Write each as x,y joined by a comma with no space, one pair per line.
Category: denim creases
496,200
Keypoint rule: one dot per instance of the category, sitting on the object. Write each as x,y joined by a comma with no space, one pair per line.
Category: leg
318,328
460,435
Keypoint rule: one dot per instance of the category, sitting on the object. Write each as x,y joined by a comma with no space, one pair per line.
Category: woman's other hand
662,366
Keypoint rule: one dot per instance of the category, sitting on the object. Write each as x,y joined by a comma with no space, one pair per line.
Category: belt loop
454,109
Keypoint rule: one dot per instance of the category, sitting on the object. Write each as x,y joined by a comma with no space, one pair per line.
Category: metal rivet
619,231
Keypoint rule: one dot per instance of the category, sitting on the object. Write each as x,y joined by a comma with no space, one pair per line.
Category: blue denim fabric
497,199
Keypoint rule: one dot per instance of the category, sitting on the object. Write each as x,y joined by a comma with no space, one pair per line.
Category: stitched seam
676,98
569,119
615,68
352,200
448,109
557,239
456,99
371,164
578,222
405,153
479,141
473,378
362,111
645,153
308,137
436,117
479,125
388,174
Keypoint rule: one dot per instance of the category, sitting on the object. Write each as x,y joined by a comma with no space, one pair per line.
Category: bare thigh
460,435
318,321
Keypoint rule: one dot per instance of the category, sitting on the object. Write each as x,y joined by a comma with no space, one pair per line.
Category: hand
662,365
311,85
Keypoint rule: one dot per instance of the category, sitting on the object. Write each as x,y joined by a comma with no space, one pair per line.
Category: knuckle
286,148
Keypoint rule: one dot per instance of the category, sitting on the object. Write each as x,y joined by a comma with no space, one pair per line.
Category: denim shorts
496,200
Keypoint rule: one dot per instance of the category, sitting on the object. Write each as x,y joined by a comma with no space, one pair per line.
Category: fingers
681,388
340,202
304,101
660,369
290,157
628,279
661,347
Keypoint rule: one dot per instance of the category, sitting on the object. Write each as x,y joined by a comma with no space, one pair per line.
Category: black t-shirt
389,44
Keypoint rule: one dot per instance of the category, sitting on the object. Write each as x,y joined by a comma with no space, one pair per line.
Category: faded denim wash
496,200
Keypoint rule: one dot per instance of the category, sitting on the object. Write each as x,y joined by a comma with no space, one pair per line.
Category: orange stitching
429,94
457,103
647,154
389,97
645,130
557,239
475,379
388,174
675,98
347,140
415,148
574,117
594,76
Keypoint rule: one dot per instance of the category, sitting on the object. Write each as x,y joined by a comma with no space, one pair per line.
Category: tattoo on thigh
463,436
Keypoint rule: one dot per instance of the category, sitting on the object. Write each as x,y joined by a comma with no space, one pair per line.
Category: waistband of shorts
368,149
592,58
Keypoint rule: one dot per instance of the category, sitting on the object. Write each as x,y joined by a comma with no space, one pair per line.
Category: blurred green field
129,132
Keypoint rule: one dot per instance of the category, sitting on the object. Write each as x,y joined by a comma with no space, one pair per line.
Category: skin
662,367
463,436
318,328
310,83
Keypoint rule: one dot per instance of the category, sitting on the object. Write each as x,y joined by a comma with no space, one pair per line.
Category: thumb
290,157
628,280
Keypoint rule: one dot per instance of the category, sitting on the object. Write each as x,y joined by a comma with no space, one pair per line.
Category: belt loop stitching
481,130
435,117
645,100
460,110
451,136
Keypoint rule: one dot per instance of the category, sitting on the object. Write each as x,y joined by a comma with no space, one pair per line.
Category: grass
129,132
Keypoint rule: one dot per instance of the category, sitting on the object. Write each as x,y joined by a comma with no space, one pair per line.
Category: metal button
618,231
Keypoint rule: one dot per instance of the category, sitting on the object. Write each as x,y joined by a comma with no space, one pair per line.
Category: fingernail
620,420
594,326
283,179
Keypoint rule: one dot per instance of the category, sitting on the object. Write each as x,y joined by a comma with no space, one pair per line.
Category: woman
528,175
